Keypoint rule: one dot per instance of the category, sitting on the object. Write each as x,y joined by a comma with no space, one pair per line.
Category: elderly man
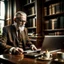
15,37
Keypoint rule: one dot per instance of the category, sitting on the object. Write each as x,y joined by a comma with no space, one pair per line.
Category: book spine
31,10
46,24
34,22
57,8
54,23
45,11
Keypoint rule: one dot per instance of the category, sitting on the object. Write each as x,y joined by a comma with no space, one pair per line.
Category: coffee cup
47,54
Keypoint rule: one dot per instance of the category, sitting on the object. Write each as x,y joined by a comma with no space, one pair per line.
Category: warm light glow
2,10
1,26
2,16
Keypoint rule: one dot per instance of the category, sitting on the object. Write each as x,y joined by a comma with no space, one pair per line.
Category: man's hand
17,51
33,47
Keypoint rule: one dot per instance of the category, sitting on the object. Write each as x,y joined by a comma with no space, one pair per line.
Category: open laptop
51,43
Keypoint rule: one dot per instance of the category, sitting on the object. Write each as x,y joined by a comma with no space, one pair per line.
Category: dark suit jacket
9,38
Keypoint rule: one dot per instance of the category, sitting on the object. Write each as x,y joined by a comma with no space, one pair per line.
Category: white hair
20,13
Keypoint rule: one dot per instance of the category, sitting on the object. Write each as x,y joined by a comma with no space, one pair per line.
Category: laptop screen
53,42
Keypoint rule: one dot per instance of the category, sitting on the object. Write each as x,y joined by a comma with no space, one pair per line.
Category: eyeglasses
18,19
22,21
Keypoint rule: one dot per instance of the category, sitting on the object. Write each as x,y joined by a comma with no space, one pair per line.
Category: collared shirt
20,28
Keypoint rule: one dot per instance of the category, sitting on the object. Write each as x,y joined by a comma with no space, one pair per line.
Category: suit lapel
13,35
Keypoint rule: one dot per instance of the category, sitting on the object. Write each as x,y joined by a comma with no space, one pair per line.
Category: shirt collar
20,28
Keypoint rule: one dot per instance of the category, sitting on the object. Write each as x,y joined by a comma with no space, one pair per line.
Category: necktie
20,38
18,34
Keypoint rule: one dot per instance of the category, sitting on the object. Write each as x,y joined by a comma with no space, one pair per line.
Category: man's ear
17,19
14,19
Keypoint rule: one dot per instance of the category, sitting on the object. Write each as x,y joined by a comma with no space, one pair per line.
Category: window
2,15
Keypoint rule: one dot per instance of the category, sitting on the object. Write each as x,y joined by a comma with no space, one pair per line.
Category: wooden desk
20,59
12,59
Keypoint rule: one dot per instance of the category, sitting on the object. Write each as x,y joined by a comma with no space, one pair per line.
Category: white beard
22,28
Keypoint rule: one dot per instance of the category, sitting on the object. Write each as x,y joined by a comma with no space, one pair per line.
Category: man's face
21,20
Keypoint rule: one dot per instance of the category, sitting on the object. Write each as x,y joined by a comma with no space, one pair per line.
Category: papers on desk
37,53
28,51
55,50
33,54
1,56
31,51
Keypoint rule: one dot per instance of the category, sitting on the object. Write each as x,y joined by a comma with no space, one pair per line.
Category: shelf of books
33,10
31,17
53,17
34,19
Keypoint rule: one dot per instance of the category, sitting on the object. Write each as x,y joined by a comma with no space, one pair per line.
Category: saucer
44,59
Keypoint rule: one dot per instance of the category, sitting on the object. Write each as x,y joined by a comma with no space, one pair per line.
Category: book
61,21
46,24
45,11
50,10
30,22
53,9
31,10
54,23
50,24
58,22
34,22
62,6
57,8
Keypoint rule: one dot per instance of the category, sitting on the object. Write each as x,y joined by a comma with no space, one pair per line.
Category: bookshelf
33,9
53,17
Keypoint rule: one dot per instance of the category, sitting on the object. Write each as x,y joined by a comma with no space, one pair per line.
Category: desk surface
20,59
12,59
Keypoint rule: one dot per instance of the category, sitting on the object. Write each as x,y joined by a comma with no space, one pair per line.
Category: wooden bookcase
33,8
53,17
